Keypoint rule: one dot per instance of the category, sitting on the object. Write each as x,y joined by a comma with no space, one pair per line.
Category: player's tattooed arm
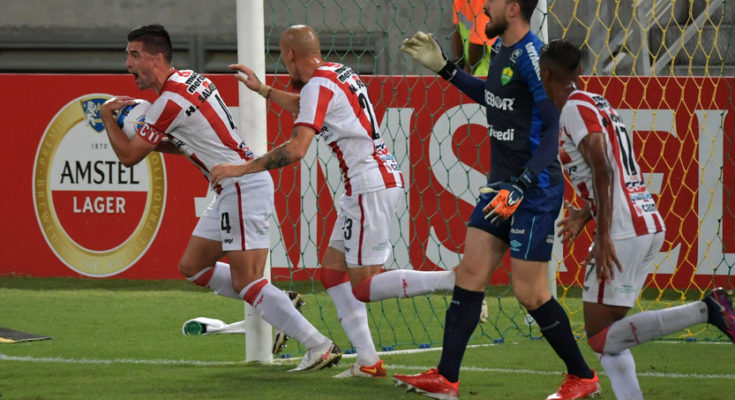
276,158
293,150
287,153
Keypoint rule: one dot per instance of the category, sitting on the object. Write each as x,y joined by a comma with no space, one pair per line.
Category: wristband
526,179
448,71
264,91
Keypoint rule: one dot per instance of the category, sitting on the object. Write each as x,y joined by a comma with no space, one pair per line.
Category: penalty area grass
117,339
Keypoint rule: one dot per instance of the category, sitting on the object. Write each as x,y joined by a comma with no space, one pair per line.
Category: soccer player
517,209
189,117
333,103
598,156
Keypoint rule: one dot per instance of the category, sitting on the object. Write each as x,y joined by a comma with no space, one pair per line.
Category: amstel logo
98,216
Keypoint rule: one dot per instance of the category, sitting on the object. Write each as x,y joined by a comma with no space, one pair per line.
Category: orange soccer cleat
574,387
429,383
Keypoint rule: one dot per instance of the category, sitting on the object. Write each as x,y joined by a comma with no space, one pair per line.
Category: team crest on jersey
92,112
97,215
506,75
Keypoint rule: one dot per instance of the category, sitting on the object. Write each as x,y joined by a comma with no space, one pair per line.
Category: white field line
60,360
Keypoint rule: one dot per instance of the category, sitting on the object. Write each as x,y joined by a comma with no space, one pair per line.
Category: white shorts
636,257
238,216
362,230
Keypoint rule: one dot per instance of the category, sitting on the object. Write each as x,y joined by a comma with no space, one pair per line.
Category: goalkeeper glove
424,49
505,197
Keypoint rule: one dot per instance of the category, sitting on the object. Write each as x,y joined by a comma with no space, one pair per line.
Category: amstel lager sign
98,216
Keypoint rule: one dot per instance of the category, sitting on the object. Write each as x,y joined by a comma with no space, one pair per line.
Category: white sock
220,280
647,325
353,316
620,369
274,306
402,283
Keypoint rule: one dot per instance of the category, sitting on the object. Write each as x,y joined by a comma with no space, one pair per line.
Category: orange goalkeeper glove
505,197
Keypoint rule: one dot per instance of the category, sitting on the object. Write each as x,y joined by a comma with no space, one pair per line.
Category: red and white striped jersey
335,103
191,113
634,210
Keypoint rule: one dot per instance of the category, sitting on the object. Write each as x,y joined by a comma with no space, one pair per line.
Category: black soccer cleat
720,311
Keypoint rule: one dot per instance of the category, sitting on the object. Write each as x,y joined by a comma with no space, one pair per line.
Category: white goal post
251,52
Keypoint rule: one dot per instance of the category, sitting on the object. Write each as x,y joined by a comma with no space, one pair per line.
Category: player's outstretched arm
287,153
424,49
128,151
287,100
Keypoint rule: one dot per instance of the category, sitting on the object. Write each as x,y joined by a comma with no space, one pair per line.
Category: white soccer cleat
318,359
483,311
364,371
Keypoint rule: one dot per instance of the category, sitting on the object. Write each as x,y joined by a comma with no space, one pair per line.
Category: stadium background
644,59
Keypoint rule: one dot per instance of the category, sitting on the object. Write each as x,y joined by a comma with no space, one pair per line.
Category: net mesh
667,66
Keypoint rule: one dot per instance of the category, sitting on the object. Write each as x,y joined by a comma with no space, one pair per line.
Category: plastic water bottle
195,328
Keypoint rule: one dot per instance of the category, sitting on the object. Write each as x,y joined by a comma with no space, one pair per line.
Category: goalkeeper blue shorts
530,230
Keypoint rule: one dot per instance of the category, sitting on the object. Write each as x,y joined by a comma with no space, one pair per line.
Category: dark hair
155,39
527,7
562,54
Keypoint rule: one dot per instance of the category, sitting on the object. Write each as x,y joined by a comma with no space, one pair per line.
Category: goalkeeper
517,208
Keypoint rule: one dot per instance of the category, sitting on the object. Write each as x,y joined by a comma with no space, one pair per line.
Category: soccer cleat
574,387
720,311
363,371
281,338
483,311
319,359
430,384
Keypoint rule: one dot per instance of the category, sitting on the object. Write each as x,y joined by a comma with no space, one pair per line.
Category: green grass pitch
116,339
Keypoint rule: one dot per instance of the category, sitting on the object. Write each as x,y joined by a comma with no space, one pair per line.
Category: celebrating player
598,156
190,117
519,205
333,102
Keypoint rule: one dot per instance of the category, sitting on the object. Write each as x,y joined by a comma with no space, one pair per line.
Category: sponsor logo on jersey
501,103
380,246
625,289
533,55
517,231
505,136
97,215
514,56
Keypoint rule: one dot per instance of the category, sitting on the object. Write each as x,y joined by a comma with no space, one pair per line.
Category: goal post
252,107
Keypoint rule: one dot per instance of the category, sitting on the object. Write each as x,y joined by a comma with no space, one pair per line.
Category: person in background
470,46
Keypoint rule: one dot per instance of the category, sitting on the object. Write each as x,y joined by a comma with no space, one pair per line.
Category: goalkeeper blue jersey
523,124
